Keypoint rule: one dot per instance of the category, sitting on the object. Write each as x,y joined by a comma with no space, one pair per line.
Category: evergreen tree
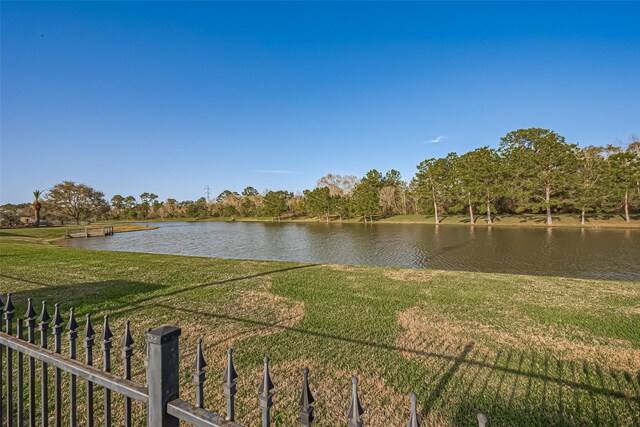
480,174
275,203
435,182
540,164
589,181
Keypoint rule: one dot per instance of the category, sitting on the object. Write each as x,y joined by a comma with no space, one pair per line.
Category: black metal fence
160,394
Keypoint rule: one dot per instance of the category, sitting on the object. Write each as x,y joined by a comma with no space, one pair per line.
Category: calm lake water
601,254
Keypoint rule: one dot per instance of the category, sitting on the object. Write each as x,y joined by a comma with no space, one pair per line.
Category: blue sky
171,97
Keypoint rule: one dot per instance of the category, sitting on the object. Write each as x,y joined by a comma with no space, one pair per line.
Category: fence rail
161,393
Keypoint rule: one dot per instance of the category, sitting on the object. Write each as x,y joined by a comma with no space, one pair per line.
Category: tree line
532,171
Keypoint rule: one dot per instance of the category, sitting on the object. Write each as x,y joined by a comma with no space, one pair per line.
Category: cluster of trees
64,201
533,171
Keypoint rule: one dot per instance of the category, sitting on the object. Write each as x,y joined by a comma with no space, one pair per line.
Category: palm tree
37,206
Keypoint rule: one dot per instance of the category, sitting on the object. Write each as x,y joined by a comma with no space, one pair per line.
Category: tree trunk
37,223
547,199
626,206
470,209
489,220
435,210
582,216
404,203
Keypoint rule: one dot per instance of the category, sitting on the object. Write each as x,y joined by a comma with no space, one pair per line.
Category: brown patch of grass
251,312
344,267
548,292
411,274
428,331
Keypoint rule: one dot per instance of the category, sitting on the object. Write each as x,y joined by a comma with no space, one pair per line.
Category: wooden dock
92,232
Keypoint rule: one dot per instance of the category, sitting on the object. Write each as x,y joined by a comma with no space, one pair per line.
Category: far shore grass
529,220
525,350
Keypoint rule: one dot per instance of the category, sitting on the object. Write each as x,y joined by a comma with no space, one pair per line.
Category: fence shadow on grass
109,293
581,383
114,288
513,386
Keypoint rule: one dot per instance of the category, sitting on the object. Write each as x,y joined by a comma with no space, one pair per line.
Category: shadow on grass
117,295
84,297
511,387
445,379
457,360
4,233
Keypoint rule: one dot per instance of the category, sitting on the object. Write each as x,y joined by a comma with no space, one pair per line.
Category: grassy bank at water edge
560,220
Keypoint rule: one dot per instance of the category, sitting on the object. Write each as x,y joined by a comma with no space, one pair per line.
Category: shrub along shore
525,350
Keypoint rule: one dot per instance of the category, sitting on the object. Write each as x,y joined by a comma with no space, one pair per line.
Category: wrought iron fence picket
160,391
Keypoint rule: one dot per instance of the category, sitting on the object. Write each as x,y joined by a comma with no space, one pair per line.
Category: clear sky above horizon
171,97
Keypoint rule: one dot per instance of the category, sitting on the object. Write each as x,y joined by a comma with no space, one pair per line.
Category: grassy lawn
525,350
560,220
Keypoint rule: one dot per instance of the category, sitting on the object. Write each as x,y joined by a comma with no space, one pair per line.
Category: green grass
524,220
525,350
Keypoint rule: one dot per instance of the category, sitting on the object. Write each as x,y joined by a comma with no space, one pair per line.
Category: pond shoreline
516,221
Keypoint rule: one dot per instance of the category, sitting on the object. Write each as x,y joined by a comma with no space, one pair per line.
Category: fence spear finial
57,340
44,315
31,313
199,375
106,331
44,324
127,351
306,399
230,383
266,385
199,363
265,395
8,307
127,339
413,416
8,314
355,408
72,325
230,373
57,318
89,333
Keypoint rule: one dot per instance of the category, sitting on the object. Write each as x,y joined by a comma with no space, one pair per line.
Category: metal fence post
163,375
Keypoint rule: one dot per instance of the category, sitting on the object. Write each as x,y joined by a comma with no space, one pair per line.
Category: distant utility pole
207,191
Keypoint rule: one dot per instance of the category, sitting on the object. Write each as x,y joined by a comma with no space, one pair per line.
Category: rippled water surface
602,254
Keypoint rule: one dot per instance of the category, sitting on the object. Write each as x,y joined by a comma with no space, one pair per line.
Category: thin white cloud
276,171
437,139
